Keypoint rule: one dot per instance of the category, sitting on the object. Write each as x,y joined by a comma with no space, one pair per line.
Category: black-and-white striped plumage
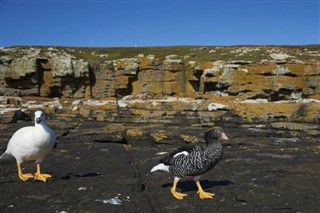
194,159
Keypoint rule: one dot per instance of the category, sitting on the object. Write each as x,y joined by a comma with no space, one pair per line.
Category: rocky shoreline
301,115
263,170
112,115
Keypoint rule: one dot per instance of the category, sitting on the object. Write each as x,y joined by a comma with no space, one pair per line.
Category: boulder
279,56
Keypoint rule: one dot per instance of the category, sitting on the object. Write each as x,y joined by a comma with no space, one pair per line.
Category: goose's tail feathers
5,156
161,167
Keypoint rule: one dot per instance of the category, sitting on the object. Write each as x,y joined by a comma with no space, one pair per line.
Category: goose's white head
39,117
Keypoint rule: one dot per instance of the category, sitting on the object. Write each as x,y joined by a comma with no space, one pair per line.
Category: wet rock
135,135
263,169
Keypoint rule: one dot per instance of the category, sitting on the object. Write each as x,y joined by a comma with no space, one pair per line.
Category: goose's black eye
217,130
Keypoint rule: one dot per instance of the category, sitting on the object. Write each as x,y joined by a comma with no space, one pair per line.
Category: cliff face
27,73
251,82
49,72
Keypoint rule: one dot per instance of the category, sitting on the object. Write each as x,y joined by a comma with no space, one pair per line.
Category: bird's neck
212,142
41,126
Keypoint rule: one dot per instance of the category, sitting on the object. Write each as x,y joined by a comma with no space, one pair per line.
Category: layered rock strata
55,73
282,86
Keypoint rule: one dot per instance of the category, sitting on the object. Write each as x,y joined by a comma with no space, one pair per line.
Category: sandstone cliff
198,84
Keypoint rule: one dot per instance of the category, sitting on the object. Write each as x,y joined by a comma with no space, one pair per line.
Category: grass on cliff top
197,53
190,53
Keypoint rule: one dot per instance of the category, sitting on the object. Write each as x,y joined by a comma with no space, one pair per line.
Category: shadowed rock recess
113,109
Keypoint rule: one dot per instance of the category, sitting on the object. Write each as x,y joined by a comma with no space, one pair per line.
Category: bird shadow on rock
190,185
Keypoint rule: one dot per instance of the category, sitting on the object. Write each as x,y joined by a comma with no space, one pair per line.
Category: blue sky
118,23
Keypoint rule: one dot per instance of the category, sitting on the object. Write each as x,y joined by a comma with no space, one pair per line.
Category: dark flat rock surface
261,171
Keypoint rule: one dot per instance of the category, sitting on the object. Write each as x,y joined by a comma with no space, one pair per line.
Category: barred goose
194,160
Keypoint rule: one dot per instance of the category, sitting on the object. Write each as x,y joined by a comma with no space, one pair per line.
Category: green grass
193,53
190,53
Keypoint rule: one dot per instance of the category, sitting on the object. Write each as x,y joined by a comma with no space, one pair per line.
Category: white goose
31,143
